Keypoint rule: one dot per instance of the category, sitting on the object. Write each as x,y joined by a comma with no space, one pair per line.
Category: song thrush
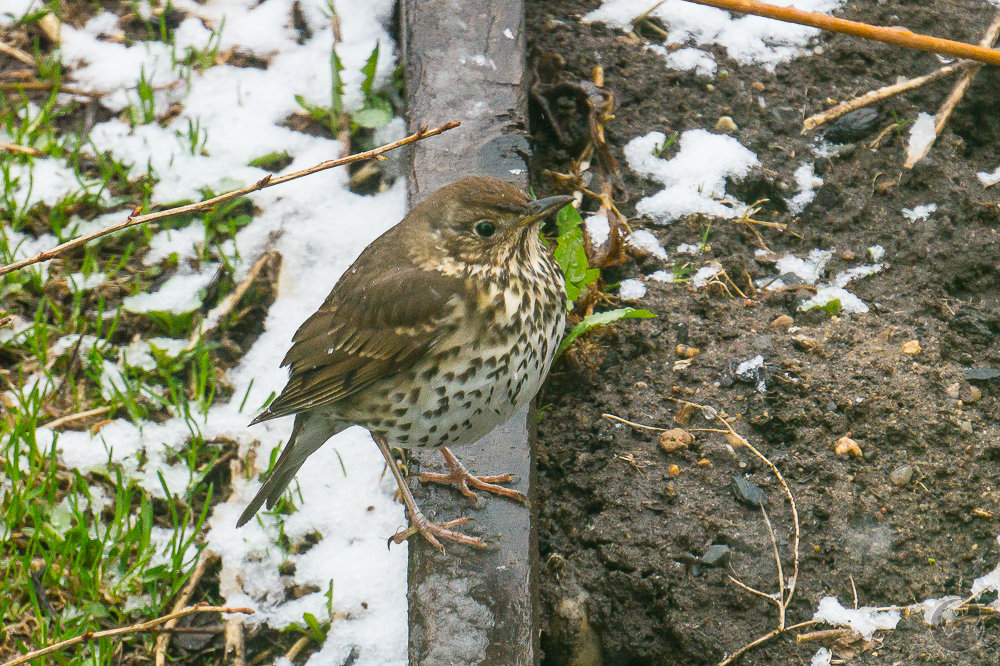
441,330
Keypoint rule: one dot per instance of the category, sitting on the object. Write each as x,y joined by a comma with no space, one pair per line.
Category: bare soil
621,538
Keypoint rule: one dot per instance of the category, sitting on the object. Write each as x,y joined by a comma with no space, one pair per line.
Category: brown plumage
440,330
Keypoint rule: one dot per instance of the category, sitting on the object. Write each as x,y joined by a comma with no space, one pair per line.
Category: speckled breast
482,371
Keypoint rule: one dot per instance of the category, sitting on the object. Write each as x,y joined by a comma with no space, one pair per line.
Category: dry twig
131,629
897,36
160,649
814,121
956,95
268,181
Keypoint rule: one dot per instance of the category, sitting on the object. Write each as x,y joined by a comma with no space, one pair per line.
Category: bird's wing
368,328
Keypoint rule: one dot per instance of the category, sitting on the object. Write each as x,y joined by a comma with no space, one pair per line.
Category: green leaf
571,254
372,118
600,319
369,71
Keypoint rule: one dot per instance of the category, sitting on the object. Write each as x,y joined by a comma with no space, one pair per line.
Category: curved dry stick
956,95
133,628
267,181
763,639
815,120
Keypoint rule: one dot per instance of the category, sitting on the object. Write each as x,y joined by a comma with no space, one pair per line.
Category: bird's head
480,220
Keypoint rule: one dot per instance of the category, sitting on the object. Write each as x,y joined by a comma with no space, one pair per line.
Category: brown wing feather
368,328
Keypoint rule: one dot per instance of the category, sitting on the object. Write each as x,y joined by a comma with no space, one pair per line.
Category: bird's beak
538,209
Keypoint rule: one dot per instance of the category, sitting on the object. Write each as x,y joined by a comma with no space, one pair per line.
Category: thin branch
956,95
17,53
632,423
777,560
897,36
23,150
204,561
814,121
268,181
763,639
216,314
131,629
79,416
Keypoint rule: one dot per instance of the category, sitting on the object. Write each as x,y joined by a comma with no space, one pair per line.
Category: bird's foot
431,532
461,477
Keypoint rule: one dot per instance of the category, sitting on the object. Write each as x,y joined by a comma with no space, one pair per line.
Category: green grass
88,549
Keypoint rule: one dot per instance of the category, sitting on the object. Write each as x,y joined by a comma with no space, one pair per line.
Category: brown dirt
620,537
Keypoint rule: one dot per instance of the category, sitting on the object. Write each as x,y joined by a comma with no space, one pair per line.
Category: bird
441,330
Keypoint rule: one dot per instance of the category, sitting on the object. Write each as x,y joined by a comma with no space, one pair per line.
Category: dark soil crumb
621,537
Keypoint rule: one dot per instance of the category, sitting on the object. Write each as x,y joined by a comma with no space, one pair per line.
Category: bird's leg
459,476
429,530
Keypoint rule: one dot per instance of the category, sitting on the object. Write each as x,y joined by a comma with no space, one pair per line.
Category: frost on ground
811,270
694,179
922,134
747,39
918,213
865,621
239,115
808,181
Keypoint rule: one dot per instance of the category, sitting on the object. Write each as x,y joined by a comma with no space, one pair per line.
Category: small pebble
748,492
901,476
725,124
674,470
911,347
675,439
954,391
717,555
782,322
846,445
758,86
684,351
852,126
982,375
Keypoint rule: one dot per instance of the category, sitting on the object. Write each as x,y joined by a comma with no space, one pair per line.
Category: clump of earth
638,541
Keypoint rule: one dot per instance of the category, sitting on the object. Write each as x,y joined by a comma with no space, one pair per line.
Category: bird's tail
309,433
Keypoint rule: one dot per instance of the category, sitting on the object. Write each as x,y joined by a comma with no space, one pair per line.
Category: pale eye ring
485,229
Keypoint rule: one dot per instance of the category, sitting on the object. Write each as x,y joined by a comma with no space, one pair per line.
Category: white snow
631,290
921,134
646,241
747,39
312,224
849,302
823,657
865,621
81,282
662,276
988,178
180,294
688,248
938,611
686,60
598,227
919,212
811,271
694,178
705,273
808,181
989,582
876,252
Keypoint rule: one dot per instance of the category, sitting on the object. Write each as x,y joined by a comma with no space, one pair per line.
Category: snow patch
694,178
631,290
921,134
919,212
808,181
865,621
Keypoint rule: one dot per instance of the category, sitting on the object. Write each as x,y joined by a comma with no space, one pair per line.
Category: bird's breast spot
511,303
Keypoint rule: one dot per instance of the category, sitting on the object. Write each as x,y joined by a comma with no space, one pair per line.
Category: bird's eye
485,229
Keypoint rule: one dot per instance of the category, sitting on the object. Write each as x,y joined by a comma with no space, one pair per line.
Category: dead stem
268,181
131,629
